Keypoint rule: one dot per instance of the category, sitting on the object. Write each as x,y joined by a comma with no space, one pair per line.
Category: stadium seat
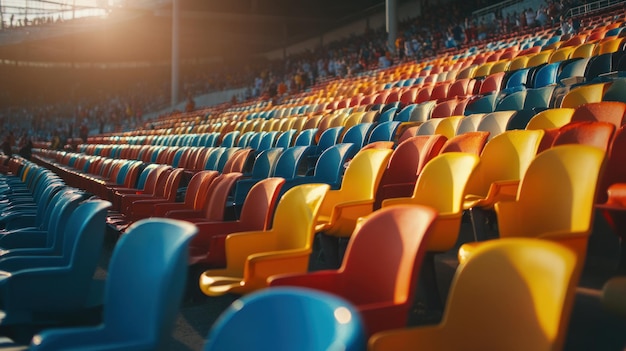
301,319
382,289
253,256
143,292
511,298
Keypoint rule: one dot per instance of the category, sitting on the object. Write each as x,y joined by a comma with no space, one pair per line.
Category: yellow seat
539,58
513,294
551,118
519,62
554,201
584,94
500,66
584,50
355,198
483,70
441,185
503,162
448,126
609,46
561,54
251,257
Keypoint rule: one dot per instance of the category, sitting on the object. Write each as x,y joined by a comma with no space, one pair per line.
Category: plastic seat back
328,138
604,111
405,114
441,185
230,138
422,111
306,137
469,123
357,134
513,101
391,277
405,164
285,139
512,298
218,192
505,157
584,94
546,75
551,118
213,159
385,131
293,311
495,123
539,97
292,161
615,92
144,289
597,134
571,171
470,142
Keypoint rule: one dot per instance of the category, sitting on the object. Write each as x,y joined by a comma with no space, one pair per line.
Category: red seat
471,142
379,272
207,247
606,111
195,195
598,134
405,165
214,208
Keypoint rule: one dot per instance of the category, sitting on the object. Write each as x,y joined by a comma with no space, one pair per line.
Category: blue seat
268,141
255,140
68,279
328,138
293,162
227,154
385,131
306,137
47,238
212,161
513,101
546,75
573,69
540,97
516,81
285,138
143,292
177,156
328,169
286,319
211,139
388,115
244,139
485,104
230,138
263,167
520,119
405,113
358,134
17,215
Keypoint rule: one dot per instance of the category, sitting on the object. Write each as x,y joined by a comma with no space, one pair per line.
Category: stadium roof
140,31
